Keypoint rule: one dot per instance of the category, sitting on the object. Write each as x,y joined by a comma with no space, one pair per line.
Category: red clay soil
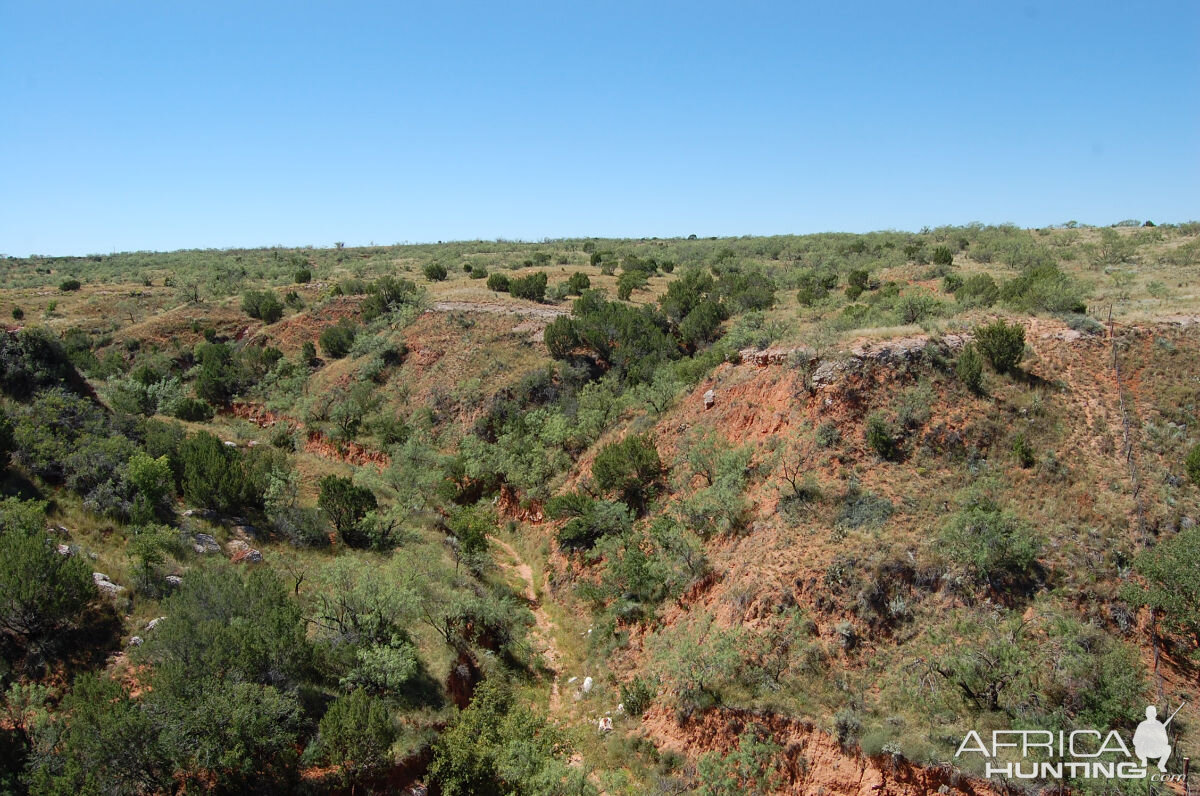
813,762
316,442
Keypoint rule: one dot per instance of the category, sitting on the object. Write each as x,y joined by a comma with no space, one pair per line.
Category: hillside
740,515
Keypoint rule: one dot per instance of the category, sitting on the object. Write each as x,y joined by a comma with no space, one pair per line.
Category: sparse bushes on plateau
69,285
1003,345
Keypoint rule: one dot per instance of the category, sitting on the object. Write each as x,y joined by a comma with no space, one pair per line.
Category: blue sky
163,125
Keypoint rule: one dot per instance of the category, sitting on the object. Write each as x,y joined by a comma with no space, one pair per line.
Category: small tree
1003,345
498,282
435,272
631,469
943,256
881,436
969,368
1172,584
69,285
578,282
41,591
356,733
303,276
346,505
336,340
262,304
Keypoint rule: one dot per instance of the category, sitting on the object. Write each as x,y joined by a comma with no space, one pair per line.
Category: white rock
710,398
105,585
229,444
605,724
587,685
174,580
135,641
572,680
153,623
64,550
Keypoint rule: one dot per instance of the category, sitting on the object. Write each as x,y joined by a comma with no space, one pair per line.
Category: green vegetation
367,543
1003,345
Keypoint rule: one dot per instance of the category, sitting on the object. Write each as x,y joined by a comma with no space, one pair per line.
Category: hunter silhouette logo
1079,753
1150,739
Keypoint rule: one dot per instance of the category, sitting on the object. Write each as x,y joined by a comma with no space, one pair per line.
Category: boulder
135,641
240,552
587,685
174,581
710,398
105,585
605,724
204,543
153,623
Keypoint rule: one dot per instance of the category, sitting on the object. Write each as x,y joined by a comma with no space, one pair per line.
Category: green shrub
435,272
1191,464
498,746
346,505
7,439
560,337
531,287
192,409
993,545
302,276
578,282
356,734
882,437
478,271
18,314
590,520
978,290
942,256
498,282
1003,345
969,368
952,283
1023,451
828,434
336,341
107,743
628,282
41,591
1172,584
637,695
262,304
389,294
630,469
1044,288
219,378
69,285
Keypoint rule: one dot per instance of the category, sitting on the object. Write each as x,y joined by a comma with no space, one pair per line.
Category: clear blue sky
161,125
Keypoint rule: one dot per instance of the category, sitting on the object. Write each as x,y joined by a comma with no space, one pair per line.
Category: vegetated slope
789,515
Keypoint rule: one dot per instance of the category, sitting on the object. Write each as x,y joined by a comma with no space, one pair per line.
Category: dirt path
543,627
